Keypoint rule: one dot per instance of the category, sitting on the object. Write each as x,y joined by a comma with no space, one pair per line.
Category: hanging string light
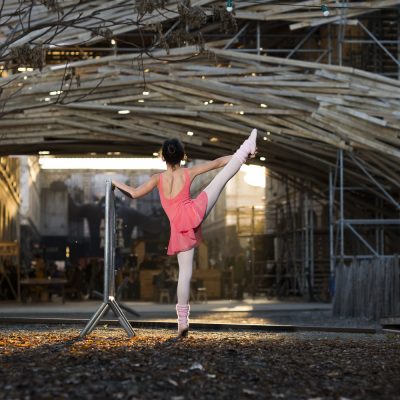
229,5
325,10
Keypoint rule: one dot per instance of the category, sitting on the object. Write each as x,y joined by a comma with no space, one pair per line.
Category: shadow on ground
51,363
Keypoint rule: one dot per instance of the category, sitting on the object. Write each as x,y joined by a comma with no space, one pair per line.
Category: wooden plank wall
368,289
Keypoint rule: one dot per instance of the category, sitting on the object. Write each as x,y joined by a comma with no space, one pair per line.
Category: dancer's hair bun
173,151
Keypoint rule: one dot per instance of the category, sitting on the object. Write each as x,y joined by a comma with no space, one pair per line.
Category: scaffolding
368,236
250,225
370,42
363,224
302,256
288,254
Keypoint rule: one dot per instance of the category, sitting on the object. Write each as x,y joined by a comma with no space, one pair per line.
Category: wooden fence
368,289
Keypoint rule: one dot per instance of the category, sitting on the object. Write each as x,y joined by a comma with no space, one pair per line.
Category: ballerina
184,213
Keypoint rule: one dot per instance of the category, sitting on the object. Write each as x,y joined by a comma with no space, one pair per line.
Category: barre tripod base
102,310
118,298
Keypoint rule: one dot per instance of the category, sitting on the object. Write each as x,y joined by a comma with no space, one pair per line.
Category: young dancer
184,213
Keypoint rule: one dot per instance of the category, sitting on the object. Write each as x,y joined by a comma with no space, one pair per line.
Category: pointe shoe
182,311
248,147
253,141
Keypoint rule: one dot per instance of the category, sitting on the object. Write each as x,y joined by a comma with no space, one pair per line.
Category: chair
201,294
164,296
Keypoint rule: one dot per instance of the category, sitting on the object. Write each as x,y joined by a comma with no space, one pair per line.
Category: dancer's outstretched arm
141,190
208,166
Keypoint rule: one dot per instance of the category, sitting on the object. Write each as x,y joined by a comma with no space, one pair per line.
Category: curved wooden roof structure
129,103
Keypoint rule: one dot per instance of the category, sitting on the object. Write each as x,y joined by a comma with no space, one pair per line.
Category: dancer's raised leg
216,186
185,261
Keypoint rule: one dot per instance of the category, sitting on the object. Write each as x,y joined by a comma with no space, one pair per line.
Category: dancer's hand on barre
125,189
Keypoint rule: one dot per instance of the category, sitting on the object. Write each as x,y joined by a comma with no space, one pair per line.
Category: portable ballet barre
109,300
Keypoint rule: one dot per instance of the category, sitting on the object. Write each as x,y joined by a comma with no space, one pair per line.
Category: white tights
215,187
185,258
185,261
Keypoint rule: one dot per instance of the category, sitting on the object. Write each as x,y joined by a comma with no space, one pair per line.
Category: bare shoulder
155,178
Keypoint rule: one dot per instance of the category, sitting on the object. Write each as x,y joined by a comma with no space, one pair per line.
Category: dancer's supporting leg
216,186
185,261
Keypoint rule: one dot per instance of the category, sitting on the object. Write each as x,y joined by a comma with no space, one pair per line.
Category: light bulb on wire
325,10
229,5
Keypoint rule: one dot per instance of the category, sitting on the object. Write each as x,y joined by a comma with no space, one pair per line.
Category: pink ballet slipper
248,147
182,311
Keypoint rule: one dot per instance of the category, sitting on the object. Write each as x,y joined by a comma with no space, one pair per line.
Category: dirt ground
42,362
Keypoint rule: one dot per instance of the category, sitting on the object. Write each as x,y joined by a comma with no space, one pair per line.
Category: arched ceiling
130,103
304,111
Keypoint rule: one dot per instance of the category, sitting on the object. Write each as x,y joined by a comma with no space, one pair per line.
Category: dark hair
173,151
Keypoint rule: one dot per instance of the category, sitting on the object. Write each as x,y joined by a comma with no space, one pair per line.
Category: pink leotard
185,216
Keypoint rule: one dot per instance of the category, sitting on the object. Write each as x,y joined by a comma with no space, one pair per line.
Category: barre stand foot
102,310
99,295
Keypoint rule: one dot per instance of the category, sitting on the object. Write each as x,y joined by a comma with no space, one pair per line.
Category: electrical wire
333,6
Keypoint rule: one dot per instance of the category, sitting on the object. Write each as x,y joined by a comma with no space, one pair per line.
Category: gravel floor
41,362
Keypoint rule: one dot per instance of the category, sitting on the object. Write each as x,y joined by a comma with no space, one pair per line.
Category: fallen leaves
54,364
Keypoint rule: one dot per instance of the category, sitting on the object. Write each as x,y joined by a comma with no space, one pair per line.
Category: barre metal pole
107,247
109,300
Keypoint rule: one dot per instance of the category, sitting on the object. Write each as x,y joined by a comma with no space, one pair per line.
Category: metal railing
109,301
